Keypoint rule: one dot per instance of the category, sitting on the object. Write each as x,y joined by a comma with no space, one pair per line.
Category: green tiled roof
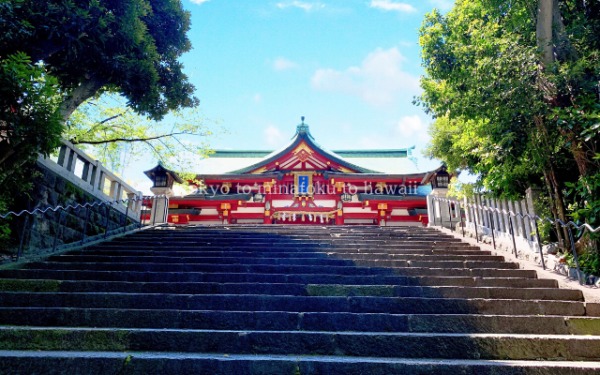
240,153
397,153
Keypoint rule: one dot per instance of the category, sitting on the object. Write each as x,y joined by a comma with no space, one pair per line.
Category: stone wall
84,217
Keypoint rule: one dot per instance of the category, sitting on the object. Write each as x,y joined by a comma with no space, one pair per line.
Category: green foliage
541,206
461,190
128,46
585,194
114,134
504,116
590,263
481,87
29,99
55,54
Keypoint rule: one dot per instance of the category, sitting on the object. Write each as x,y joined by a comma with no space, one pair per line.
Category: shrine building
304,184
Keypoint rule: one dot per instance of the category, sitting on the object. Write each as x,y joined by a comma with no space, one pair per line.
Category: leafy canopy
128,46
499,112
117,136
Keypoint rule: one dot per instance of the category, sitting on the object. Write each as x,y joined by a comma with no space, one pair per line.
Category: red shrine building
302,184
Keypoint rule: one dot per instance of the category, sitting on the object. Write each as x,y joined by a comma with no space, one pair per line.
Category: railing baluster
107,210
23,234
512,233
60,216
492,222
475,224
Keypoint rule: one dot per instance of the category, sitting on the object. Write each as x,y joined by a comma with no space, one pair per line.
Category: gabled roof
252,162
304,145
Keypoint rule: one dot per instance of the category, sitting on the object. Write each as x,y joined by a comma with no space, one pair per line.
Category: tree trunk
559,232
544,30
79,95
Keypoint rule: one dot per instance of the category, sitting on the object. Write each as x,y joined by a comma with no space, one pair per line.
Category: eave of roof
245,176
384,176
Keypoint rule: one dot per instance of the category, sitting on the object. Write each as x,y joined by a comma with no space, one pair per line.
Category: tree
116,135
129,47
505,107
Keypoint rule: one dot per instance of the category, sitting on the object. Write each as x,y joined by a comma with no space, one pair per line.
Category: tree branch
131,140
110,118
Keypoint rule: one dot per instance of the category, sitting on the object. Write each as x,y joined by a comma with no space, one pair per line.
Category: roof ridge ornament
302,128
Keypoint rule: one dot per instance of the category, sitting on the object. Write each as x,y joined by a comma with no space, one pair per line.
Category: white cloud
379,80
409,125
304,5
412,128
389,5
273,136
281,63
199,2
442,4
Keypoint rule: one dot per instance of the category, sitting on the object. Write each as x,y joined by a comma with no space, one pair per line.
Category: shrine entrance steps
290,300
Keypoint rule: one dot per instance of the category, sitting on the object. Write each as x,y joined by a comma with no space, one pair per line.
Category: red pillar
339,217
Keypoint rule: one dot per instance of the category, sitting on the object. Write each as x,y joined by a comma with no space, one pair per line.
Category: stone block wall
44,232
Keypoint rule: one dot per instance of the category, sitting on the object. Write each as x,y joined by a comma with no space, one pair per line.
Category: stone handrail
92,177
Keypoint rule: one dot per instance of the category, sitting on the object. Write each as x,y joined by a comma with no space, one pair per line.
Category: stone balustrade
91,176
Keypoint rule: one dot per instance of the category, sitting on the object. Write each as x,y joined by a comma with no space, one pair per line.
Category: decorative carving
303,155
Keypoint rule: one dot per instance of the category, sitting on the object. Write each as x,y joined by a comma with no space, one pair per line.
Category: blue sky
351,67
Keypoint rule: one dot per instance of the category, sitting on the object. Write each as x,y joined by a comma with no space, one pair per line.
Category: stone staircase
290,300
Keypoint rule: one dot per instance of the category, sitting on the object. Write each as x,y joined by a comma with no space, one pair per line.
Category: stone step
285,238
293,253
224,277
172,246
281,299
78,362
302,321
307,237
288,269
354,344
42,285
354,304
216,256
198,260
377,262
